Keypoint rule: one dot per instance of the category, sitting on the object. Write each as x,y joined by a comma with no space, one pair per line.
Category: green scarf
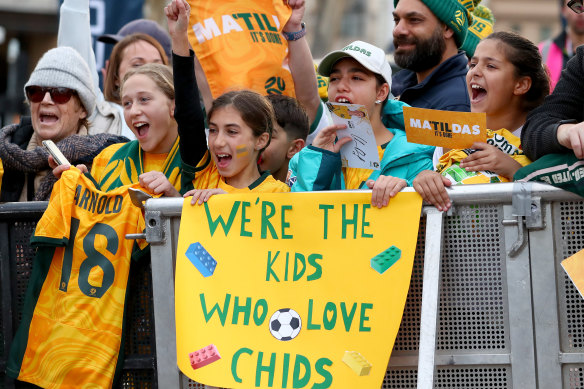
562,170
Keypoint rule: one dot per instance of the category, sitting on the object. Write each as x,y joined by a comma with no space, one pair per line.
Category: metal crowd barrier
489,305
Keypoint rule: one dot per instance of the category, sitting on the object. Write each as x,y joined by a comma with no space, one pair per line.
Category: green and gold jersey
71,330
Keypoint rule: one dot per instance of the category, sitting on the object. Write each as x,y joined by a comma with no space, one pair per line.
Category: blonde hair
159,73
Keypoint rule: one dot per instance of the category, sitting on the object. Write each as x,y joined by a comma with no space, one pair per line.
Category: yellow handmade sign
451,130
574,267
240,46
290,290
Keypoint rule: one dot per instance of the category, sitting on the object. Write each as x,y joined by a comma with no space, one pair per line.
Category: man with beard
557,51
427,37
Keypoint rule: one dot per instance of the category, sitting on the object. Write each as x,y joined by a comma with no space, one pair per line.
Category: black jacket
444,89
13,180
564,105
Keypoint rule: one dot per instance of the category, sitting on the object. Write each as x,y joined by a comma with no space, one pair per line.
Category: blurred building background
28,28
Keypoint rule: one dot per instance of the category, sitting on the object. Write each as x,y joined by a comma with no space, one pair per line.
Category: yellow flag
574,267
291,290
452,130
239,45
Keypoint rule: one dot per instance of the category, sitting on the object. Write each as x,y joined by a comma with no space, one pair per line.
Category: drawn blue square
202,260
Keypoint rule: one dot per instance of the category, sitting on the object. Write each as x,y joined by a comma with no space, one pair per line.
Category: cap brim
326,65
110,38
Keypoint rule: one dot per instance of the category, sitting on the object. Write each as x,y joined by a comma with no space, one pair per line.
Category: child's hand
156,182
203,195
384,188
295,19
177,15
326,138
59,169
489,157
432,187
571,135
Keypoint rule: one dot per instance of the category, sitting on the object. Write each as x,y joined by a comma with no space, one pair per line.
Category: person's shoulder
400,142
273,185
402,80
107,119
266,183
18,133
446,96
101,161
111,150
105,156
451,94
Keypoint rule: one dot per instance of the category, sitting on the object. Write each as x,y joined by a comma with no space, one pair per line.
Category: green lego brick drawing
384,260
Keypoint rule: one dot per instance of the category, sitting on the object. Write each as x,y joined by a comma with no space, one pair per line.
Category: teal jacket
317,169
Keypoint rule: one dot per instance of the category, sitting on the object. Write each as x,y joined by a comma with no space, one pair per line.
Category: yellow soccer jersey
71,330
504,140
206,176
265,184
121,164
354,177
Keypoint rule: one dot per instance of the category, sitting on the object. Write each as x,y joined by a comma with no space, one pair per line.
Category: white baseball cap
371,57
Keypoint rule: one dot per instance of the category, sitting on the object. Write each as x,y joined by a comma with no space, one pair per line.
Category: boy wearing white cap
360,74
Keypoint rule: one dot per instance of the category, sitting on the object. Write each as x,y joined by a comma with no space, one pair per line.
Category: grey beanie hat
63,67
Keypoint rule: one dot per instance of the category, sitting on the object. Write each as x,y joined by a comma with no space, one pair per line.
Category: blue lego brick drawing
202,260
384,260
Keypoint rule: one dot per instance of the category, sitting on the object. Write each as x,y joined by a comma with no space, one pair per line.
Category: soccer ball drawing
285,324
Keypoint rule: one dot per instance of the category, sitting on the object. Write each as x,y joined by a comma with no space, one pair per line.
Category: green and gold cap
456,14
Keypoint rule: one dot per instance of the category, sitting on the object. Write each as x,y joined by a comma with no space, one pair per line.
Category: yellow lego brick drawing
357,362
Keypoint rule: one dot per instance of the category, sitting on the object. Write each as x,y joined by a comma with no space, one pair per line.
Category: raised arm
75,32
301,63
204,87
188,113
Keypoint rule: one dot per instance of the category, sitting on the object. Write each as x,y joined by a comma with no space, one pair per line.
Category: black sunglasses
36,94
576,6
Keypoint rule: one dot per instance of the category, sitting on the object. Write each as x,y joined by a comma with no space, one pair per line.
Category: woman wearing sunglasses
61,98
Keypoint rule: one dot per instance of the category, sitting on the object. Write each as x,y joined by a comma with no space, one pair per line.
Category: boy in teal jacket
315,168
359,74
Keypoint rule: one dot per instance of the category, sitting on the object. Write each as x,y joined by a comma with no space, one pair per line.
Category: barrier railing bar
138,363
163,301
460,195
430,297
519,294
543,259
23,210
7,313
571,358
452,359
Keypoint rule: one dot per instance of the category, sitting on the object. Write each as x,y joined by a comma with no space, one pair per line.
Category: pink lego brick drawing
204,356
